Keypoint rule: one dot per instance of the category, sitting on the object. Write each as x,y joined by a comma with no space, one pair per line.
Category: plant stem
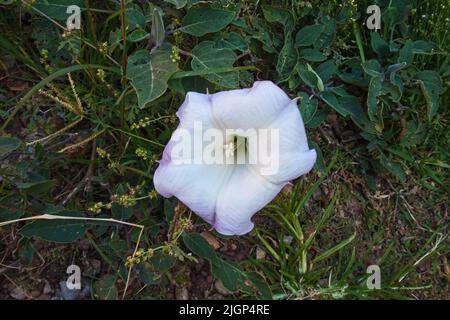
357,34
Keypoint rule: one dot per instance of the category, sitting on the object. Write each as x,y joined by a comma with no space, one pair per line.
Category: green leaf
200,21
158,33
261,285
373,68
312,55
146,274
406,53
331,100
328,34
135,17
379,46
149,73
206,57
287,60
393,167
414,135
62,231
421,46
310,77
280,15
162,262
56,9
36,187
335,249
375,86
228,272
14,207
326,70
231,41
177,3
354,109
105,288
8,144
306,36
431,85
308,108
137,35
198,245
120,212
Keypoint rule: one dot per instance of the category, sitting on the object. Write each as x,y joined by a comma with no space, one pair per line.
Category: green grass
377,196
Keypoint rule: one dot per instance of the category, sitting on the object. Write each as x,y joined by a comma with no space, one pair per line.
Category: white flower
228,195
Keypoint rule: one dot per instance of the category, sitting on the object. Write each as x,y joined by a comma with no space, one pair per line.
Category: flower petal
249,108
294,156
197,186
241,197
196,107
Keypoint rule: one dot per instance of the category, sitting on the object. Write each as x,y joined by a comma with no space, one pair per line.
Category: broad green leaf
146,274
261,285
36,187
186,84
120,212
372,97
158,32
137,35
287,60
198,245
162,262
13,207
379,46
149,73
169,209
312,55
62,231
135,18
306,36
177,3
431,86
373,68
414,135
200,21
206,56
308,108
393,167
232,41
421,46
264,35
309,76
8,144
352,105
280,15
105,288
328,34
326,70
406,53
228,272
56,9
331,100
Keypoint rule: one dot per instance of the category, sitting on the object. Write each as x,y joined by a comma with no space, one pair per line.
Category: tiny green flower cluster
141,124
142,153
140,256
175,55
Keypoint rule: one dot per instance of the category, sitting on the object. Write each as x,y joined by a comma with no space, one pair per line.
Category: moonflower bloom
228,195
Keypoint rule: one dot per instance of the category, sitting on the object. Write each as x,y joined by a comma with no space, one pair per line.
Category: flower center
236,149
